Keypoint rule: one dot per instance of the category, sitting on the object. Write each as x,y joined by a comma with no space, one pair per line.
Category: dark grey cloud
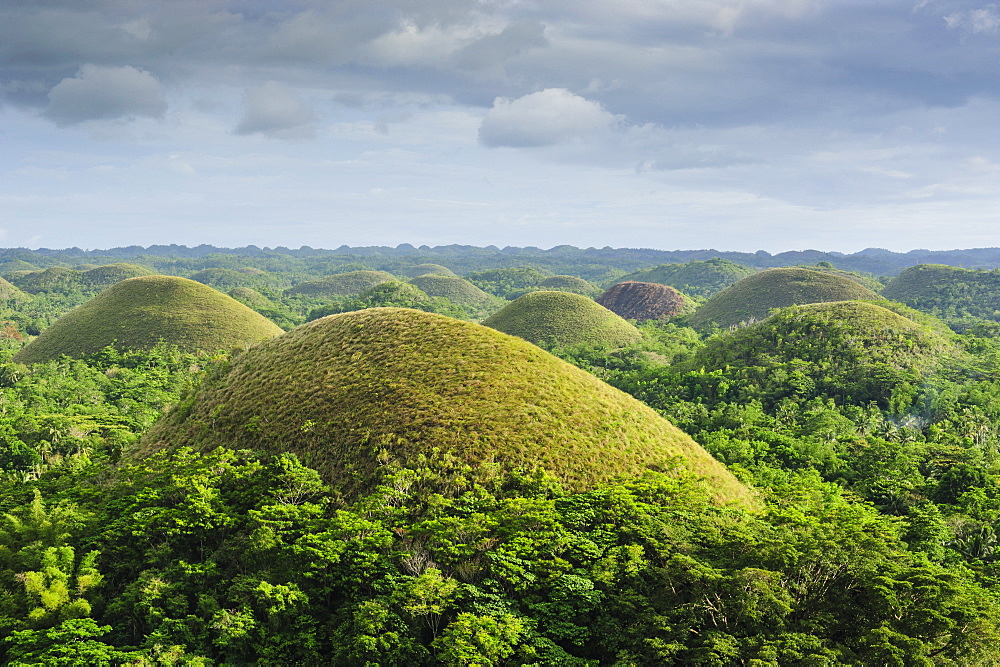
103,93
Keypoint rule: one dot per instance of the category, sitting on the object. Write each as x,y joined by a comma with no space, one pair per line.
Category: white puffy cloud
551,116
274,110
981,21
99,93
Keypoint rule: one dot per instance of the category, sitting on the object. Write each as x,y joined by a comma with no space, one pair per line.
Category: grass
9,292
139,312
351,283
562,318
350,392
100,277
752,298
457,290
634,300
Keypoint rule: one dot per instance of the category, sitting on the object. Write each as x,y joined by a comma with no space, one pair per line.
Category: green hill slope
100,277
9,292
754,297
948,291
397,384
700,279
570,284
457,290
562,318
855,351
351,283
644,301
138,312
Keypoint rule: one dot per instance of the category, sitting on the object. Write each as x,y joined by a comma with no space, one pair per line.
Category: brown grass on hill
635,300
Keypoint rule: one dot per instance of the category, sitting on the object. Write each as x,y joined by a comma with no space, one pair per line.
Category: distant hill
696,278
390,384
9,292
563,318
508,281
426,270
853,350
570,284
63,280
457,290
634,300
351,283
947,291
227,279
752,298
139,312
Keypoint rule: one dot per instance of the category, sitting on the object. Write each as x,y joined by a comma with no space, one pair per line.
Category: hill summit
635,300
562,318
139,312
752,298
396,384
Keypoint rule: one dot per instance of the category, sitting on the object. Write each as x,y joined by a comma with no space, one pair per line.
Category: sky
674,124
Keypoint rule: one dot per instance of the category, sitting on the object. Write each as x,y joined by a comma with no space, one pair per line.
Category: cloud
274,110
104,93
977,21
492,50
549,117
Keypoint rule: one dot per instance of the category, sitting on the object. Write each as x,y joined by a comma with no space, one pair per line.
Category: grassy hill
139,312
426,270
349,392
854,350
9,292
752,298
634,300
509,281
570,284
100,277
563,318
948,291
52,279
457,290
227,279
700,279
351,283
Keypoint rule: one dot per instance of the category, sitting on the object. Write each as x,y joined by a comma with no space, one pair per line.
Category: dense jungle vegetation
870,432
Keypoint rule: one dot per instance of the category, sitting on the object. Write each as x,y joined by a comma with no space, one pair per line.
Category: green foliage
510,282
391,294
697,278
753,298
570,284
379,385
949,292
426,270
140,312
562,318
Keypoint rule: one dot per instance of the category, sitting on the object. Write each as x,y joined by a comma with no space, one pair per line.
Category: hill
107,275
570,284
644,301
9,292
947,291
563,318
457,290
701,279
856,351
227,279
426,270
52,279
139,312
397,384
351,283
752,298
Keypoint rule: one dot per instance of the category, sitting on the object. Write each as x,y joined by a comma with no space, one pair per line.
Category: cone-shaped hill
700,279
139,312
10,293
854,350
426,270
351,283
948,291
573,284
563,318
349,391
644,301
752,298
100,277
457,290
